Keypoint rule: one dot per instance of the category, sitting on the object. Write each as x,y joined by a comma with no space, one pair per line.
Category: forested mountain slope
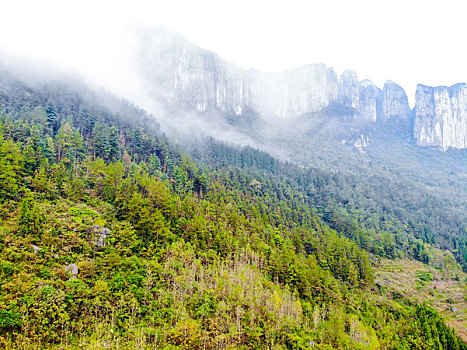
111,237
384,212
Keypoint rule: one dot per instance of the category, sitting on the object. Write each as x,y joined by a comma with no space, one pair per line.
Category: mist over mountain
311,117
158,193
192,79
205,206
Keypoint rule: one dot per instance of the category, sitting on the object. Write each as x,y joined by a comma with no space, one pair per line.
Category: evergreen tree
53,120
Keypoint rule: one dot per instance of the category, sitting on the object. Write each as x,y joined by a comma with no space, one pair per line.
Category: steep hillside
366,140
113,238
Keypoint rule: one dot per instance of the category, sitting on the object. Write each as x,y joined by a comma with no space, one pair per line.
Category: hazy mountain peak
186,76
366,83
395,102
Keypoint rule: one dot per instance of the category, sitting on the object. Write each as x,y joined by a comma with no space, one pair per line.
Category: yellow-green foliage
188,262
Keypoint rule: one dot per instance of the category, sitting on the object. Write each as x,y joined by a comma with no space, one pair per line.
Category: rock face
395,103
191,78
348,89
198,79
364,97
362,143
187,77
292,92
100,234
370,97
441,116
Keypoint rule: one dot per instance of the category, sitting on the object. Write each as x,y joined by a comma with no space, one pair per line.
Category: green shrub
9,320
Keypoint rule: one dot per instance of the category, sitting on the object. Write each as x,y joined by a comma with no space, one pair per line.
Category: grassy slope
419,282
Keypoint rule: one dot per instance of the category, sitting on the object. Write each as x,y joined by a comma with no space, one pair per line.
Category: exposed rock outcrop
370,97
362,143
100,234
198,79
441,116
349,89
395,105
187,77
192,78
73,269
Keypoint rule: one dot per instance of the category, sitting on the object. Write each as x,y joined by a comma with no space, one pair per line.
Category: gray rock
395,104
73,268
191,78
196,79
184,76
441,116
101,233
349,89
362,143
370,97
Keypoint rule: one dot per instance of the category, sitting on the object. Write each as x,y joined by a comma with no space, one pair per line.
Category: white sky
409,42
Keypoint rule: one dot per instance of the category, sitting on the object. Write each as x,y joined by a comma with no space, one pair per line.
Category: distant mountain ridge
195,79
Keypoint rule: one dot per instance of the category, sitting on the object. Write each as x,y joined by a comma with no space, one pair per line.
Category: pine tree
30,219
53,120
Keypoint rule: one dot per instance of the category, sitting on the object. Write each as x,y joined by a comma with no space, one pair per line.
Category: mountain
351,130
193,79
395,102
199,80
196,79
312,118
326,231
112,237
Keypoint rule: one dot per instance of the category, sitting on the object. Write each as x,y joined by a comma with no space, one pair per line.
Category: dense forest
112,237
385,215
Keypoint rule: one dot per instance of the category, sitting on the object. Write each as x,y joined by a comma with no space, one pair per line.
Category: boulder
73,268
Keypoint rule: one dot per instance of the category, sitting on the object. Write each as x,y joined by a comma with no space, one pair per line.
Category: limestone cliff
441,116
364,97
192,78
198,79
370,97
348,89
395,103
